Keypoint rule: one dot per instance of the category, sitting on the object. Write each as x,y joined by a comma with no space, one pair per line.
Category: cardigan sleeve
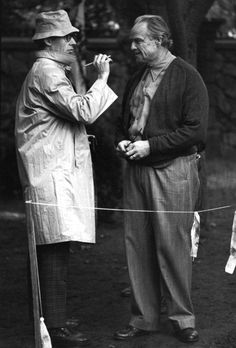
192,129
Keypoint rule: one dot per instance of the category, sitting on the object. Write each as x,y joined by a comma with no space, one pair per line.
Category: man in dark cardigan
163,125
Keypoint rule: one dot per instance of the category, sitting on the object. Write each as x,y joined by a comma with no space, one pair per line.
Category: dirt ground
98,273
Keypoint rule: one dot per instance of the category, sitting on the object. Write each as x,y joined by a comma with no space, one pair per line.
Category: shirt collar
162,66
62,58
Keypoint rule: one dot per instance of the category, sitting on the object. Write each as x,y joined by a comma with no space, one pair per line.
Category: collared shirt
143,94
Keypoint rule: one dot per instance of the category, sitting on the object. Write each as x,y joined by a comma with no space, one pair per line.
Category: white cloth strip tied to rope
44,335
231,263
195,235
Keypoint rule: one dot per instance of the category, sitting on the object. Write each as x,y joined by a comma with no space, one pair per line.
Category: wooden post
34,275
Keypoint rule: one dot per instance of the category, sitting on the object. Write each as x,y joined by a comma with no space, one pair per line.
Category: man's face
143,46
63,44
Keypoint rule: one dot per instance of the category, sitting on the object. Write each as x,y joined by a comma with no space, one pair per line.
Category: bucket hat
53,23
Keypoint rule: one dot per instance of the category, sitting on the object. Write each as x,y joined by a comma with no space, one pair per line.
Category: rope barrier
231,263
133,210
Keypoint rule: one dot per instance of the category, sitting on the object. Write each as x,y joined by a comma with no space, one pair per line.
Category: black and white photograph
118,174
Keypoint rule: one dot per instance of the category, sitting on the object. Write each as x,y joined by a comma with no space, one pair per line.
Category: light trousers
158,244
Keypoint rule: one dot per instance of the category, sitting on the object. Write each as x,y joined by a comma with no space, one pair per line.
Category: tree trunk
196,11
177,27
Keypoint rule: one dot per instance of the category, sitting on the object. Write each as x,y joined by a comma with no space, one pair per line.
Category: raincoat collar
65,59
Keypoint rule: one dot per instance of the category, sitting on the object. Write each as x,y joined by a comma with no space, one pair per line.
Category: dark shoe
129,332
187,335
62,337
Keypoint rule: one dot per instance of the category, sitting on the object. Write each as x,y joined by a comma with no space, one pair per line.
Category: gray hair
157,27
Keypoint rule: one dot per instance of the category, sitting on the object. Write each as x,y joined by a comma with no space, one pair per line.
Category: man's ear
48,41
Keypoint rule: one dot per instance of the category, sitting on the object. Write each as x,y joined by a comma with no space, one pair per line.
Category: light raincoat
53,153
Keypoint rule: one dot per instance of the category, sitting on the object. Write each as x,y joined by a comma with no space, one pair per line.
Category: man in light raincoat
54,158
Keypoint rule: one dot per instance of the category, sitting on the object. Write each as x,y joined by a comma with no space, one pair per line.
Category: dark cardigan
177,121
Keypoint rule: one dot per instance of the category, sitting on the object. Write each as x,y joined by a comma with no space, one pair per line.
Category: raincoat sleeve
67,104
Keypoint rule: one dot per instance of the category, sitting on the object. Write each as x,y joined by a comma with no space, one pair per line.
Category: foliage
224,9
100,19
18,18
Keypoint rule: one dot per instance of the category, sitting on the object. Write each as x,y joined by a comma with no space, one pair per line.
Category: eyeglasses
68,37
71,36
